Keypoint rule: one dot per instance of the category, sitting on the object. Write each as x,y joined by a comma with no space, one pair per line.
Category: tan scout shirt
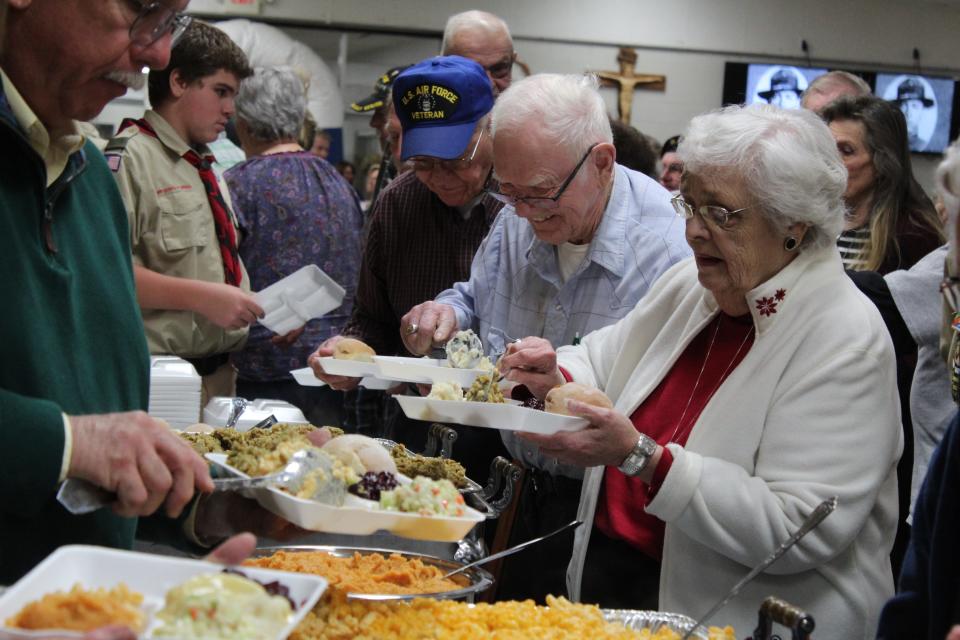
172,232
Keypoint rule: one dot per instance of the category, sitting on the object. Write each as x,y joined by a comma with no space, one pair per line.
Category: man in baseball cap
426,226
381,89
439,102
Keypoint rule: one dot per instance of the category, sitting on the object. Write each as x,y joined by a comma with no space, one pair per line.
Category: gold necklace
693,392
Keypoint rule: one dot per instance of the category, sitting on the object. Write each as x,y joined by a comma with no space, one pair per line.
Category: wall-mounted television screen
778,84
926,103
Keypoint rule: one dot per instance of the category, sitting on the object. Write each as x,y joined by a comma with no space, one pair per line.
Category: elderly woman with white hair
752,383
294,209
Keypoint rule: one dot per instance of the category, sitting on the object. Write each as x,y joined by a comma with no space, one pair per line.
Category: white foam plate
424,371
305,294
357,516
306,378
148,574
509,416
350,368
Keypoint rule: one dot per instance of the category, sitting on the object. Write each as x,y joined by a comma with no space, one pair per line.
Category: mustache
130,79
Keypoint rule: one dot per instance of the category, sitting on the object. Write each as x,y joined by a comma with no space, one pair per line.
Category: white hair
948,186
787,158
566,109
272,103
472,20
856,85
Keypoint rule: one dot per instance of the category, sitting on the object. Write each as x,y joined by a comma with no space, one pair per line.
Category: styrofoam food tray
306,378
148,574
305,294
350,368
509,416
424,370
357,516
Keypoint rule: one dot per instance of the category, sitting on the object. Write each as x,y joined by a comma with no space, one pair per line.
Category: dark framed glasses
543,202
424,163
155,20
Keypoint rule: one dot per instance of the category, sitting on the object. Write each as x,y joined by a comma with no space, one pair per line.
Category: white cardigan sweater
810,412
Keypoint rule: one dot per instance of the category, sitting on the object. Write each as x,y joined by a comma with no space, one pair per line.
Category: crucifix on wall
628,81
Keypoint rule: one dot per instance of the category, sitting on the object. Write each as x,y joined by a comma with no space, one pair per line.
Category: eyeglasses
155,20
423,163
501,69
544,202
719,216
950,290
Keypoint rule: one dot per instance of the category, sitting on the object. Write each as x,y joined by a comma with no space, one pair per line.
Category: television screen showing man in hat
915,103
785,88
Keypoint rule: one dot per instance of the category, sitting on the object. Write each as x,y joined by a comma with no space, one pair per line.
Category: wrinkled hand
229,307
287,339
435,323
954,633
138,458
325,350
606,442
532,362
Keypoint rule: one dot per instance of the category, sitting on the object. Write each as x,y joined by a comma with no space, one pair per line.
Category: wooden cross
628,81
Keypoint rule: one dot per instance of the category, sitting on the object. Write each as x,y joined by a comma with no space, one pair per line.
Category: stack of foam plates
218,410
174,391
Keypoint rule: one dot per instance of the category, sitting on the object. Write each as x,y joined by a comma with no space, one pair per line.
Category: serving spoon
292,477
514,549
816,516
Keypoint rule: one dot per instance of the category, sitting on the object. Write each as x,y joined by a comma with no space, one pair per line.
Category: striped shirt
851,244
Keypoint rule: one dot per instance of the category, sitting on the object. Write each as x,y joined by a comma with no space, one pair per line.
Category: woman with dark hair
891,223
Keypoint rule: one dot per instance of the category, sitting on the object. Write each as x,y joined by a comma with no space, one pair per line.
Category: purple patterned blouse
294,209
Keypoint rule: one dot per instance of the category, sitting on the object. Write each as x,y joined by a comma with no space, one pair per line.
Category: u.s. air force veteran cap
439,102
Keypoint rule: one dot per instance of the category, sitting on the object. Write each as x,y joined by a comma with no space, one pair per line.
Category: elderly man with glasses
426,226
74,385
484,38
580,241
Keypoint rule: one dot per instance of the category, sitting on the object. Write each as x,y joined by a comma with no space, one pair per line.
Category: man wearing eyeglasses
484,38
191,284
580,241
427,225
74,382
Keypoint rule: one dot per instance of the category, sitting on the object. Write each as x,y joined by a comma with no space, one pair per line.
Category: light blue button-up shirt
516,289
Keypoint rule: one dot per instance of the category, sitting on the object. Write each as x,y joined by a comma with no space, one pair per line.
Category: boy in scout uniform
191,286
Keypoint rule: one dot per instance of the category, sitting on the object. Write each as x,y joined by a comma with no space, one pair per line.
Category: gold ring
412,328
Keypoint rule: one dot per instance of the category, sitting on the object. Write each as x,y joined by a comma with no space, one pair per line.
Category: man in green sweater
74,367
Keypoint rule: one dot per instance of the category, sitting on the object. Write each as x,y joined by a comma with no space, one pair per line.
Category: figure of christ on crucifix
628,81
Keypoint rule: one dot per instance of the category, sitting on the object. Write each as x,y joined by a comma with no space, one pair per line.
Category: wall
686,40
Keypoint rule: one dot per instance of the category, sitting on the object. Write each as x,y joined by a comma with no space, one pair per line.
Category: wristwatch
638,458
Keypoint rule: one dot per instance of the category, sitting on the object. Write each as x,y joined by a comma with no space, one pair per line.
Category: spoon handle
512,550
824,509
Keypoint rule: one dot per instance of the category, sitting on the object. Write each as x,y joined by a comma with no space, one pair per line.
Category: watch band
639,457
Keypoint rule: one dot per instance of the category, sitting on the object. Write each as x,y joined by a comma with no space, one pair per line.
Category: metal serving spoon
514,549
292,478
464,342
824,509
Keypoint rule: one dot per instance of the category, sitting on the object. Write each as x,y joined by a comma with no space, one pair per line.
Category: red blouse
668,415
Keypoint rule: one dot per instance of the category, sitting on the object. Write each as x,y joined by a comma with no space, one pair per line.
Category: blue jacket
927,603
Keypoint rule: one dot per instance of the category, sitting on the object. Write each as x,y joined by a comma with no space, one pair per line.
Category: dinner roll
556,400
353,349
370,453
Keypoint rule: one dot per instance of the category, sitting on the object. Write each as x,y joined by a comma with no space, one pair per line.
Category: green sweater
72,339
